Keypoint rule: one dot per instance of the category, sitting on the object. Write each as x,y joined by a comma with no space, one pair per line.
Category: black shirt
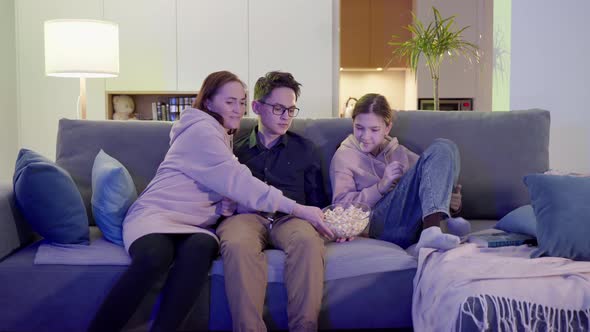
292,165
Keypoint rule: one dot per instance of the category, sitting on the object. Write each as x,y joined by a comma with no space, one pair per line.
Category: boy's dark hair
275,79
374,103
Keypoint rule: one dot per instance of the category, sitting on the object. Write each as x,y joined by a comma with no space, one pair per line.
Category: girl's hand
393,172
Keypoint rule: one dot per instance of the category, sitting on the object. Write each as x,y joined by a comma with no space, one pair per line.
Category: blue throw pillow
562,208
113,192
520,220
49,200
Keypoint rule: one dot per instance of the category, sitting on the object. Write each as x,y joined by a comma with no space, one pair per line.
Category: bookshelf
143,101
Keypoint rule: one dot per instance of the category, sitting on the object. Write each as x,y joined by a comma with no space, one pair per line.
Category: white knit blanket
547,294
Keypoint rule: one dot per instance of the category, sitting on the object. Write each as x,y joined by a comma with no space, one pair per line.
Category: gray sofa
368,282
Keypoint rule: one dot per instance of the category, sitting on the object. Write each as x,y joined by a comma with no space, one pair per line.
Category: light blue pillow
49,199
520,220
562,208
113,192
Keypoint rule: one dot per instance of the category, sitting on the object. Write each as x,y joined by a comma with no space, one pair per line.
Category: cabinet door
389,17
355,33
212,36
147,44
297,37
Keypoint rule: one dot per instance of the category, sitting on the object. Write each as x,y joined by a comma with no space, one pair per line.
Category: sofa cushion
344,260
562,210
49,200
99,252
113,192
520,220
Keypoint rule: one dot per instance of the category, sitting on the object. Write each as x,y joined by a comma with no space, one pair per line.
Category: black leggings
152,255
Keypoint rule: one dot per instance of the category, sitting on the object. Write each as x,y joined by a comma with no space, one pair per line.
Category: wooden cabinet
366,26
355,32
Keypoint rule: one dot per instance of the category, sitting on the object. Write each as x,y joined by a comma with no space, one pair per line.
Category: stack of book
494,238
171,110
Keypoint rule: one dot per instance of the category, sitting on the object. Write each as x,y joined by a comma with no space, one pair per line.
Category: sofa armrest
14,230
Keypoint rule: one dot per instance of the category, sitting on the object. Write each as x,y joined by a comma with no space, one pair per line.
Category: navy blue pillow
49,200
562,208
520,220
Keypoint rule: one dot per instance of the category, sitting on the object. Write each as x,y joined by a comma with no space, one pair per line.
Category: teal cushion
49,200
562,208
113,192
520,220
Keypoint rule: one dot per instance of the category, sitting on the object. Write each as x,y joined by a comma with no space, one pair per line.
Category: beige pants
243,239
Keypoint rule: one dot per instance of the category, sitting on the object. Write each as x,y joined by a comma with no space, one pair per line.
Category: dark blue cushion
49,200
520,220
562,208
113,192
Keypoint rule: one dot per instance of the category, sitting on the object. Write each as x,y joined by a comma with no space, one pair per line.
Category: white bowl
347,219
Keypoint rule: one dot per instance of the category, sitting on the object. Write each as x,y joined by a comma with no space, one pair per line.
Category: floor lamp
81,48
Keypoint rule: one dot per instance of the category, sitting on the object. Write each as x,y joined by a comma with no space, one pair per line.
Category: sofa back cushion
497,149
139,145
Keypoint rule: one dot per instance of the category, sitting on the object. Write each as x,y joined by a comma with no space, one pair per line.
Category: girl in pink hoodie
408,193
171,222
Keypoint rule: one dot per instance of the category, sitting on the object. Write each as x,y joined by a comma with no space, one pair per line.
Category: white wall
153,32
391,84
8,99
294,36
550,70
460,78
44,100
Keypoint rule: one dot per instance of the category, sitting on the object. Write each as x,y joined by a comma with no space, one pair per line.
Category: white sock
458,226
433,237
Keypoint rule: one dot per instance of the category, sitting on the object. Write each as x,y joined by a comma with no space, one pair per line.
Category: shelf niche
143,101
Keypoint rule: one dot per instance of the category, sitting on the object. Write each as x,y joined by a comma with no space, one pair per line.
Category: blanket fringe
496,313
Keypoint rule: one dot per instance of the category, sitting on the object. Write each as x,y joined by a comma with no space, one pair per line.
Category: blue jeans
423,190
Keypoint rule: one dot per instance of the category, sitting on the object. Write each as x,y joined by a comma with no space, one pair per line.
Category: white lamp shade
81,48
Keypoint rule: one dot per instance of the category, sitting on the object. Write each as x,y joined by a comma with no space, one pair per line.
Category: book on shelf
496,238
170,110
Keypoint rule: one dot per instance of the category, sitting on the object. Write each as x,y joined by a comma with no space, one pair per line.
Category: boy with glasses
288,162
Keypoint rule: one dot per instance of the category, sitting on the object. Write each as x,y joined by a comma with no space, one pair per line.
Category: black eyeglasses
280,109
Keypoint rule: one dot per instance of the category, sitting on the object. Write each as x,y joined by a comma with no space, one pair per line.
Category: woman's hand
393,172
315,217
456,199
226,207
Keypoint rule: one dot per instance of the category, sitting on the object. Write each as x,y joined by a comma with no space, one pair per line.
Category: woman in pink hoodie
169,228
408,193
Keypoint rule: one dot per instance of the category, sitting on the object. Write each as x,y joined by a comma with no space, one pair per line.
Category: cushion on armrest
14,230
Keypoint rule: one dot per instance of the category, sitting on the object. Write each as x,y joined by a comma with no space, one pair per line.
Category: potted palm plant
438,39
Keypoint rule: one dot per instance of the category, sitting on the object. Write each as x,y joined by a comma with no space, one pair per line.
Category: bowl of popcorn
347,219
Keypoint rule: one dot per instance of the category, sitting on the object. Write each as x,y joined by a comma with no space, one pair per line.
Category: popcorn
346,221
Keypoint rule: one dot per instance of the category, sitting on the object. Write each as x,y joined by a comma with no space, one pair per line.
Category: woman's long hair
211,85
